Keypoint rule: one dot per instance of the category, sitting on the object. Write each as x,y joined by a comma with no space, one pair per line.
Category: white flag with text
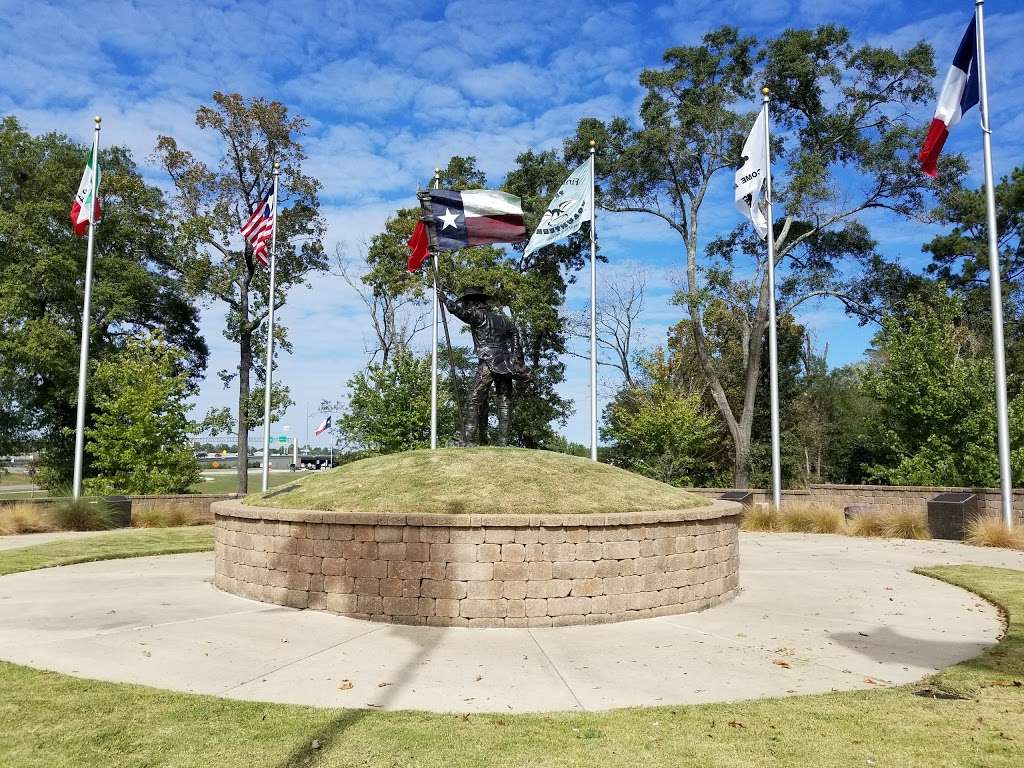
750,178
572,205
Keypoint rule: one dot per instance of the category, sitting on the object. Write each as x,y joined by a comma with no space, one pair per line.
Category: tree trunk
741,459
244,369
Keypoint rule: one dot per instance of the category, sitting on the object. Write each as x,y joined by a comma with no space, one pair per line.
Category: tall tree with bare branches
212,203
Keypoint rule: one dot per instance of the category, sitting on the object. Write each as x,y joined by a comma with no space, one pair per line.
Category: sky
392,89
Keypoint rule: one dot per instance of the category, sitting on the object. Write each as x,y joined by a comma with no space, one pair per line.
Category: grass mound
477,481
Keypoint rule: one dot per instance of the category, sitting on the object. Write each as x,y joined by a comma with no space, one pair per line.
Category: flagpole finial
593,145
97,120
766,91
277,166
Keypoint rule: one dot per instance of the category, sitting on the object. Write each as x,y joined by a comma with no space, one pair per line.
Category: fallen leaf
383,685
781,663
345,685
736,724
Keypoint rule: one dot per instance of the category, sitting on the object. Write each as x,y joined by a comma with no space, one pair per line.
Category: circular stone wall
480,570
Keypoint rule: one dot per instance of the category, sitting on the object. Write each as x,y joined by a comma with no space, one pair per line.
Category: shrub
83,514
164,517
906,524
808,517
991,531
24,518
868,523
760,517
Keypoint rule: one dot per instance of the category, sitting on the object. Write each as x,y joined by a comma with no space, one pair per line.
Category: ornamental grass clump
164,517
991,531
24,518
809,517
761,517
906,524
871,522
83,515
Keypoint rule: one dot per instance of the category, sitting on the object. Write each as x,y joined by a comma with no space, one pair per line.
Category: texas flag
476,217
959,94
322,427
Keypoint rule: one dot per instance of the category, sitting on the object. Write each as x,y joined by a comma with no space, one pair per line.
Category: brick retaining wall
882,497
480,570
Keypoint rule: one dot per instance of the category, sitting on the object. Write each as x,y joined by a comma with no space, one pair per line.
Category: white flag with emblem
750,178
569,208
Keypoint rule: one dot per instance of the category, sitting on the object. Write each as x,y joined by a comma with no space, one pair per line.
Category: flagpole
593,307
83,355
265,482
433,339
995,289
773,355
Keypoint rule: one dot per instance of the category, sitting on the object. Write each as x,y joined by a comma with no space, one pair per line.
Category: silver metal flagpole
995,290
265,483
433,341
773,356
593,307
83,355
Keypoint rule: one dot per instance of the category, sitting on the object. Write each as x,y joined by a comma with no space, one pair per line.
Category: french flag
959,94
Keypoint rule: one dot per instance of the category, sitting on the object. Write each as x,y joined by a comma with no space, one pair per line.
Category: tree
213,203
140,440
619,306
934,416
136,286
844,148
960,258
660,431
388,408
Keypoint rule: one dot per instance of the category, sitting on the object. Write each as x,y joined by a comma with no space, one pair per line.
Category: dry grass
906,524
761,517
811,517
165,517
991,531
82,515
25,518
478,481
870,523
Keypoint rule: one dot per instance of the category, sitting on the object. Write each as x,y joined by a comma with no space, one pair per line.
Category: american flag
260,227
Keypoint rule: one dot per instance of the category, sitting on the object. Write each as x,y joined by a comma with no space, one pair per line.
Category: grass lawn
133,542
478,481
56,721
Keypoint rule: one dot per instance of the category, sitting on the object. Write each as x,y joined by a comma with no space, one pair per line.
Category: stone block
494,535
391,587
513,553
587,587
483,590
538,621
570,620
435,534
467,535
364,532
511,571
427,606
488,553
417,552
589,550
469,571
391,550
445,607
516,622
621,550
559,552
339,584
369,604
376,569
606,568
550,588
574,570
554,535
401,569
527,535
453,553
401,606
388,533
366,586
443,589
333,566
339,532
538,571
477,609
433,571
513,590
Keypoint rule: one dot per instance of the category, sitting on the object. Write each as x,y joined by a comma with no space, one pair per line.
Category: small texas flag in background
322,427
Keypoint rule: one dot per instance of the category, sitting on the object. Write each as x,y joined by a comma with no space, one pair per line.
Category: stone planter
480,570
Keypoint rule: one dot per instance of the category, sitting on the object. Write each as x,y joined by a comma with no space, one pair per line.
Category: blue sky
392,89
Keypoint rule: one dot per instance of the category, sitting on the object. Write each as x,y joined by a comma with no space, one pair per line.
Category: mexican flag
87,200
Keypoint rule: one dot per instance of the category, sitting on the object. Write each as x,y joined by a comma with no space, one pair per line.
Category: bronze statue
500,354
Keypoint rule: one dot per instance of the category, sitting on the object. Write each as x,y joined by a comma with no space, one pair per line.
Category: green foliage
662,431
140,438
136,286
212,203
82,514
934,420
389,406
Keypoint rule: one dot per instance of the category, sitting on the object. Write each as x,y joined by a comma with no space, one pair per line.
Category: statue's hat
474,292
